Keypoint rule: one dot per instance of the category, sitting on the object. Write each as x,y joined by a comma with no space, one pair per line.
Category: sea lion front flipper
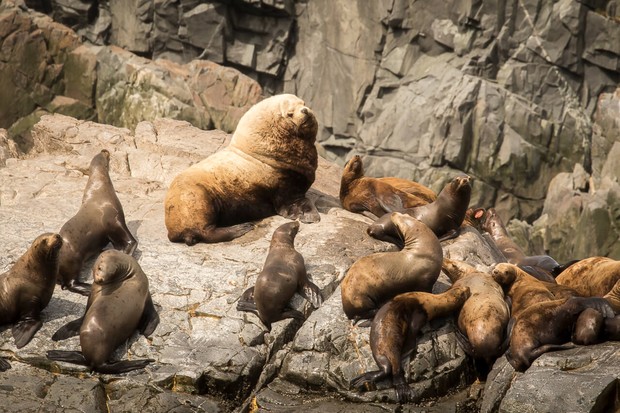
290,313
4,365
312,293
391,203
79,287
24,330
464,342
123,366
150,318
453,233
369,377
246,302
71,329
74,357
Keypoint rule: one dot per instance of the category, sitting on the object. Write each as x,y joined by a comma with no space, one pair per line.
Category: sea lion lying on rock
266,169
394,332
375,278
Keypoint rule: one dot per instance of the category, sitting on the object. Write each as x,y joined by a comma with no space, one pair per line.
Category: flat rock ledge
204,360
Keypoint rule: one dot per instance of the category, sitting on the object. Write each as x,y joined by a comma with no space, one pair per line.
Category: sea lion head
462,184
492,222
354,167
102,159
460,294
300,117
286,232
48,247
504,274
110,267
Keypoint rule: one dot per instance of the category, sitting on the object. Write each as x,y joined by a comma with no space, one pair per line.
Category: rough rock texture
202,352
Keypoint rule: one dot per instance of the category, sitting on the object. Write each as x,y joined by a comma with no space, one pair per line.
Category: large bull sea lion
265,170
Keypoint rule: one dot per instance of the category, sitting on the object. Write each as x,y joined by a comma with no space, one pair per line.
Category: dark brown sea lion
483,319
594,277
265,170
119,303
378,196
592,327
394,332
99,221
542,267
375,278
547,326
283,275
26,288
444,216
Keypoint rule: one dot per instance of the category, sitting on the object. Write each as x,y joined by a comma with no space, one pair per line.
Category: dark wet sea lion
266,169
394,332
547,326
375,278
27,287
360,194
444,216
483,319
542,267
283,274
99,221
119,304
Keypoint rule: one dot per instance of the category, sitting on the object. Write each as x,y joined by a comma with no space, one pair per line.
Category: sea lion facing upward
542,267
99,221
547,326
119,303
265,170
378,196
483,319
375,278
27,288
283,274
395,329
444,215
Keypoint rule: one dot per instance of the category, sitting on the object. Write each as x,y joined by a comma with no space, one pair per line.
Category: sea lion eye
290,113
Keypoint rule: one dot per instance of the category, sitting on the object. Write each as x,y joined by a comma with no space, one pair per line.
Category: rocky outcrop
208,356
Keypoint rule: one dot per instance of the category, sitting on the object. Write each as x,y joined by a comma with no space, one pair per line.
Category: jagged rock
132,24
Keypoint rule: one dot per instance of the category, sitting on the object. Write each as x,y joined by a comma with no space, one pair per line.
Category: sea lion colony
269,165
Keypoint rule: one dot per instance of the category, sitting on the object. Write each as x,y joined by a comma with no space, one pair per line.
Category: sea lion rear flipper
312,293
464,342
74,357
123,366
71,329
391,203
150,318
4,365
24,330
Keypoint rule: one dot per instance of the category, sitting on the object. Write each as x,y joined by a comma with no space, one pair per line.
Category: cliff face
512,93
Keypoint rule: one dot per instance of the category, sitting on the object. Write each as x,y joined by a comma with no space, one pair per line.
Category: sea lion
283,274
26,288
394,331
444,215
484,316
99,221
594,277
118,304
378,196
375,278
266,169
524,290
542,267
592,327
547,326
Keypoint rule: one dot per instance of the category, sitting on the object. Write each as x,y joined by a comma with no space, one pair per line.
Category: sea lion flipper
79,287
150,318
123,366
24,330
4,365
464,342
312,293
74,357
290,313
302,209
246,302
71,329
391,203
453,233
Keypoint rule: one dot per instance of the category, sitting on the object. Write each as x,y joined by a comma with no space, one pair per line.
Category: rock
132,24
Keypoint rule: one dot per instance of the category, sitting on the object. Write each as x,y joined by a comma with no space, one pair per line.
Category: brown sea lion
444,216
547,326
26,288
484,316
265,170
542,267
375,278
118,304
473,218
99,221
394,332
378,196
525,290
283,275
594,277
